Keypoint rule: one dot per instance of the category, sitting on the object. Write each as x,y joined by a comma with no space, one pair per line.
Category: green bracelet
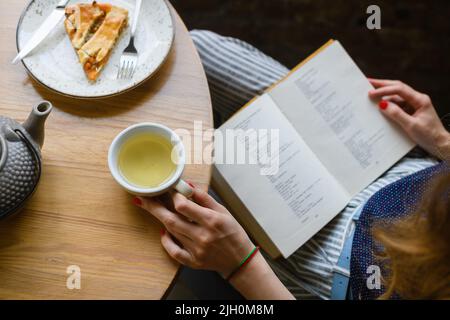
244,261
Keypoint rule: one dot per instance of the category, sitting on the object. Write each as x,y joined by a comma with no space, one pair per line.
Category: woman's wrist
254,269
242,264
256,280
443,145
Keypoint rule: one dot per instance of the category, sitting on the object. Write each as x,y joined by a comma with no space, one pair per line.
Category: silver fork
129,58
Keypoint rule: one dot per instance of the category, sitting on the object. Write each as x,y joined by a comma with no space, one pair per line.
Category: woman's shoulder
404,184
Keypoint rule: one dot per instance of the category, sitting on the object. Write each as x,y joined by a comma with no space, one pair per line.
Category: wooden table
79,215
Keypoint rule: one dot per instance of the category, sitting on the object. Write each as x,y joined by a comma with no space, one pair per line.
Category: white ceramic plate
54,62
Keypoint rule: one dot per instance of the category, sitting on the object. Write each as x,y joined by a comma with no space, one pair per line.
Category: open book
331,142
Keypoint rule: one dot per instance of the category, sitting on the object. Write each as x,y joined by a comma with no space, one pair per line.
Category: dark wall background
413,44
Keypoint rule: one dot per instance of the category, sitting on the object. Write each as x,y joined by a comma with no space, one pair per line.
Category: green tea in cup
148,159
145,160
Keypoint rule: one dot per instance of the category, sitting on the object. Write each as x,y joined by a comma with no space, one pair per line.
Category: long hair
417,248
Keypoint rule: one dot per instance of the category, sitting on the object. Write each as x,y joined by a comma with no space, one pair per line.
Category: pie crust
94,30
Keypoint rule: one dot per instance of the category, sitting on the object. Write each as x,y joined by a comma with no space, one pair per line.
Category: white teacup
173,182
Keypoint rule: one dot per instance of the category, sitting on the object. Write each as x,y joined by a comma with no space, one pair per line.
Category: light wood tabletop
79,215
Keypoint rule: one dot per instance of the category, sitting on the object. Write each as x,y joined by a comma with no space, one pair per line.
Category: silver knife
43,31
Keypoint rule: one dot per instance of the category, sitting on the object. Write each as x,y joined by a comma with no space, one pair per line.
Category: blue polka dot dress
387,205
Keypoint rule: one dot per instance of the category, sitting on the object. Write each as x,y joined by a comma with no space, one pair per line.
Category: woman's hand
415,113
202,234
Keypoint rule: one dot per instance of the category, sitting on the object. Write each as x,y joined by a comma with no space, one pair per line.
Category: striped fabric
237,72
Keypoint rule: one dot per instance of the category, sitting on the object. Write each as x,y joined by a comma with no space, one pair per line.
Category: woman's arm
257,281
415,113
202,234
443,147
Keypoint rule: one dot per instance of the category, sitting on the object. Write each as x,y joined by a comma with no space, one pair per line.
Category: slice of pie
93,30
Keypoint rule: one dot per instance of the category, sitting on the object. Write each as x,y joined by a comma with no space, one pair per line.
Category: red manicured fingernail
162,232
137,202
383,104
191,184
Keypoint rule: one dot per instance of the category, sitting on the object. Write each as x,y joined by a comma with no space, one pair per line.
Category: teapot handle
3,152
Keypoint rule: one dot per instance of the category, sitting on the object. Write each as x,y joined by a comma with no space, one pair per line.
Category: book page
291,195
327,102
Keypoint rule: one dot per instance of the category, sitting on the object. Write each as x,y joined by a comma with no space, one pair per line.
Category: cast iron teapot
20,158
